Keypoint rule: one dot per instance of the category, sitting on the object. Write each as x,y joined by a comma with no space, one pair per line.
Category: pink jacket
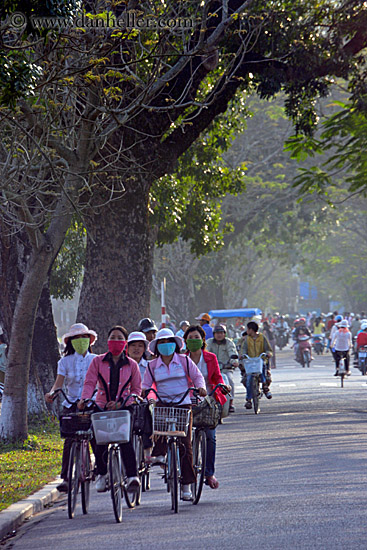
98,366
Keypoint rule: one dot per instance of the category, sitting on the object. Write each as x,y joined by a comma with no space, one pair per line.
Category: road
293,477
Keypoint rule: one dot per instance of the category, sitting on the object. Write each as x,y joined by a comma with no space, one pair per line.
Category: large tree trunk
118,270
45,355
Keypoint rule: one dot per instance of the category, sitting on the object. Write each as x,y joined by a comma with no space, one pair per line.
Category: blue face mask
167,349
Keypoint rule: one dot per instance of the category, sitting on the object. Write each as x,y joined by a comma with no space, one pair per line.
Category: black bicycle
77,426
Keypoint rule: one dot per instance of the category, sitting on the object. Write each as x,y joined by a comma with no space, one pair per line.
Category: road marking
286,385
330,384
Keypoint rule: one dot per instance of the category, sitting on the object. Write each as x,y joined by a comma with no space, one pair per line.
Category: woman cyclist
72,369
172,374
208,365
116,376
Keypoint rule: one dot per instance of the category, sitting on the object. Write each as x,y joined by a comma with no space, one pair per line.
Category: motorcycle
362,360
281,337
318,343
304,350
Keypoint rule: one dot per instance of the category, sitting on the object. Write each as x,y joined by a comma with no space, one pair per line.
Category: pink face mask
116,346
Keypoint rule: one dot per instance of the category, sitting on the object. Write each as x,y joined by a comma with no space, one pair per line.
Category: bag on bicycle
141,419
207,413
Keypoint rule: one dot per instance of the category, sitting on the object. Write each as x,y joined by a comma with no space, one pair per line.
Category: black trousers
338,356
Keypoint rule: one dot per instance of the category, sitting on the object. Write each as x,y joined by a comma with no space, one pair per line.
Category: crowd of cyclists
171,360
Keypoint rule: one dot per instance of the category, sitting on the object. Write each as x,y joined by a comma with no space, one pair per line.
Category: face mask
167,349
194,344
116,346
81,345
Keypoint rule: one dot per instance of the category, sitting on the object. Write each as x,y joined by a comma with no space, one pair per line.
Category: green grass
25,468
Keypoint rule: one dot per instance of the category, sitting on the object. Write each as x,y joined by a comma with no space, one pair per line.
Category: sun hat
146,325
161,334
343,324
364,325
79,329
137,337
203,317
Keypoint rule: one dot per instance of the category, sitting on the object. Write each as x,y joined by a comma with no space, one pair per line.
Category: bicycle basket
111,427
72,423
171,421
253,365
207,413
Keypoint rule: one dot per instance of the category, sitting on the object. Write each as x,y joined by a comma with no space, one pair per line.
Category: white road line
286,385
329,384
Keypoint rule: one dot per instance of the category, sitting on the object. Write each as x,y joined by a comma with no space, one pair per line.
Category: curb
11,518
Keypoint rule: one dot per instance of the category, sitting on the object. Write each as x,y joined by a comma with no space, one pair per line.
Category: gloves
333,350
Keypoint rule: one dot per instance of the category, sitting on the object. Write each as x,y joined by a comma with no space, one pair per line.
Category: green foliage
18,77
67,270
188,202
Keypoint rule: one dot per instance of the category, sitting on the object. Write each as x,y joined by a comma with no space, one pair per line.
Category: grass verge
26,468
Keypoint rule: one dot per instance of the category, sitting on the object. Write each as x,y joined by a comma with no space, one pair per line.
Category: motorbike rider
301,330
362,336
225,350
254,344
341,344
204,319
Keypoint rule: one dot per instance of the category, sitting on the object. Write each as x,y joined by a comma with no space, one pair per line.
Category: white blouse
74,367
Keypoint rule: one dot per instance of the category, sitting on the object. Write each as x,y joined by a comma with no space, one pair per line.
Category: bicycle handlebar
194,390
54,394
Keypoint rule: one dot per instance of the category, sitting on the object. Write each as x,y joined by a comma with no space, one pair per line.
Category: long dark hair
201,331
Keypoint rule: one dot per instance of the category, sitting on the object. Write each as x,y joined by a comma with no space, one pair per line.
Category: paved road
292,477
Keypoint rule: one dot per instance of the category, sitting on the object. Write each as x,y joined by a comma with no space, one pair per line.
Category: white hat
78,330
161,334
343,324
137,337
364,325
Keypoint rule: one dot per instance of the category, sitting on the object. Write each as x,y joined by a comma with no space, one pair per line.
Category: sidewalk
11,518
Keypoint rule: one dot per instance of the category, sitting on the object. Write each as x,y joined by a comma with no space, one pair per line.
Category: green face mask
194,344
81,345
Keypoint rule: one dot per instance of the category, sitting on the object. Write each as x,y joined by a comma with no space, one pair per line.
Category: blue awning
243,312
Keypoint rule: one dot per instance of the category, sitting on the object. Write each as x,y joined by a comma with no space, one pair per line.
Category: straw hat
161,334
78,330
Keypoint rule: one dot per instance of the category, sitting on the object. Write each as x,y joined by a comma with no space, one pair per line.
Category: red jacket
214,374
362,339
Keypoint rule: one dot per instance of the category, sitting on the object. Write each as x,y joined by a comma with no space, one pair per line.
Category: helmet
338,318
146,324
220,328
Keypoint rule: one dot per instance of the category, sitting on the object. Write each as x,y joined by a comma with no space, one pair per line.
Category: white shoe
101,484
158,459
186,492
133,484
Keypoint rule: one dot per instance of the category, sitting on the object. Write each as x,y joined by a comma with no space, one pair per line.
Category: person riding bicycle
254,344
208,365
116,376
71,370
340,345
225,350
149,328
172,373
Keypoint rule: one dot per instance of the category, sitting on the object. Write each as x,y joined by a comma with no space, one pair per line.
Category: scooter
318,343
281,337
362,360
304,350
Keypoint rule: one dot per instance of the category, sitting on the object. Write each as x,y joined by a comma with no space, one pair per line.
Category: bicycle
254,370
113,428
173,422
80,470
341,369
199,452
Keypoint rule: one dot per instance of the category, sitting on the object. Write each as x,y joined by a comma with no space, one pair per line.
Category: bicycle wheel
85,476
255,393
140,465
132,499
199,461
115,471
73,477
173,474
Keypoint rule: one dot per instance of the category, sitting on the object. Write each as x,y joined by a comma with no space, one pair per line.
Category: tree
123,109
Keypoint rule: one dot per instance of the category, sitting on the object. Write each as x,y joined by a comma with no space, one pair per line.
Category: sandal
212,482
